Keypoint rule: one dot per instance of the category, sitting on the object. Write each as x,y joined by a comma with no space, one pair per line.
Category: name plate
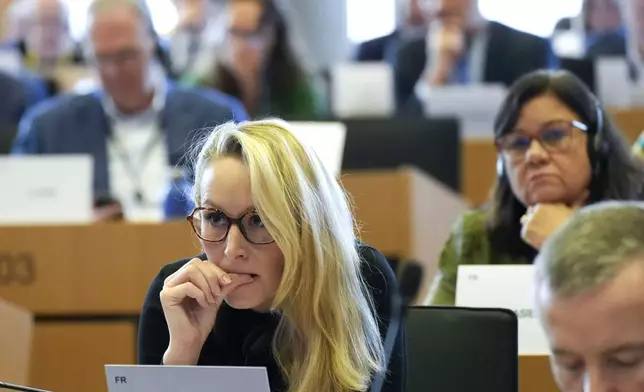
509,287
143,378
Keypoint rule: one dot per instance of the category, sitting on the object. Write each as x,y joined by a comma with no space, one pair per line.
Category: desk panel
535,374
70,356
93,269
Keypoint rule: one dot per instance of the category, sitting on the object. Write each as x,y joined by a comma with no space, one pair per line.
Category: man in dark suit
20,93
138,126
384,48
464,48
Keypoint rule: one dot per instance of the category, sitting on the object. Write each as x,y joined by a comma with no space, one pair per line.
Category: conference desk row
85,284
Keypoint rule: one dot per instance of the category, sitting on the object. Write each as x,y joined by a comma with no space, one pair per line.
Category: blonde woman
283,283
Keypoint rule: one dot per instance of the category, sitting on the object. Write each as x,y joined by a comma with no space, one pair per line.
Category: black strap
134,173
395,320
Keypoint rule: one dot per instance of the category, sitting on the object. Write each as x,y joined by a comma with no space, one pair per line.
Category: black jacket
243,337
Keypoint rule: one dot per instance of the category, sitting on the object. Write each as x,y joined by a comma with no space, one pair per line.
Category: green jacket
468,243
307,102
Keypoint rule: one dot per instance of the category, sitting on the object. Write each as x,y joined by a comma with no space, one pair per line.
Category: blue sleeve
553,59
27,140
236,107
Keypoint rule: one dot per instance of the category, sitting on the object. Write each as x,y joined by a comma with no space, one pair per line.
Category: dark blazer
243,337
510,54
376,49
78,124
20,92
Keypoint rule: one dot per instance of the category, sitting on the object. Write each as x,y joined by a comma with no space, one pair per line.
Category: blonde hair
328,339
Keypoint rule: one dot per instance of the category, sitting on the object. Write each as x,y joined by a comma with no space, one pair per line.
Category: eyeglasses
213,225
554,137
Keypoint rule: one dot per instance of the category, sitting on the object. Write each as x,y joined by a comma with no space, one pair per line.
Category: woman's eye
255,220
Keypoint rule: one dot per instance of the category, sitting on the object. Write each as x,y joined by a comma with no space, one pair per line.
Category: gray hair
139,6
592,248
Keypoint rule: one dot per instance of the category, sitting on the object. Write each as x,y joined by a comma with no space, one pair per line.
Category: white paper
46,189
509,287
10,61
612,81
362,90
475,105
131,378
327,139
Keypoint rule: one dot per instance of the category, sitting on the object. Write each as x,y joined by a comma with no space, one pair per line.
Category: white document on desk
509,287
475,106
141,378
362,90
46,189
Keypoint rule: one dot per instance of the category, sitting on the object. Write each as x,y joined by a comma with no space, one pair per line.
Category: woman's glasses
554,137
213,225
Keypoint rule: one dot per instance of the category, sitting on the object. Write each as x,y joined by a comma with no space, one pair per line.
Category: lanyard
133,172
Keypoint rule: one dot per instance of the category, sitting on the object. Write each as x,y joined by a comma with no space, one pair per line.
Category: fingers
236,281
203,274
177,294
207,277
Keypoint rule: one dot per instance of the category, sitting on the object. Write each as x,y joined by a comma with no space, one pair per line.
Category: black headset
597,146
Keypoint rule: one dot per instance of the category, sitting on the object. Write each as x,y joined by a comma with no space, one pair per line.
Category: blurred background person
261,67
413,24
598,276
557,149
603,30
137,124
198,37
634,12
19,94
41,35
462,47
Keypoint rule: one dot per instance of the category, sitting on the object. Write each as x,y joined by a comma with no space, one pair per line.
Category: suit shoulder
207,99
62,106
519,35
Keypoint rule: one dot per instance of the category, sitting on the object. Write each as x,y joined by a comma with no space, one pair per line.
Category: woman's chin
546,195
244,301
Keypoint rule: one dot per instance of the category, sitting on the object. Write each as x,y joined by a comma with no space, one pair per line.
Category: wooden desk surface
535,374
95,269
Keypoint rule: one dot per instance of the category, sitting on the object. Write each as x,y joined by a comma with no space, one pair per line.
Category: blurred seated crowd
135,101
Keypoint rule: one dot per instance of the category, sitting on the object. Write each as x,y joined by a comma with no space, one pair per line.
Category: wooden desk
86,285
535,374
405,214
479,156
16,329
98,269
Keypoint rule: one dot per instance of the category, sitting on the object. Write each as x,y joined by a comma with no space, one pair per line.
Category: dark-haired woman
260,67
557,150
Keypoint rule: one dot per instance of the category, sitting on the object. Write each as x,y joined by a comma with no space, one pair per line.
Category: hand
448,40
447,44
541,220
191,298
108,213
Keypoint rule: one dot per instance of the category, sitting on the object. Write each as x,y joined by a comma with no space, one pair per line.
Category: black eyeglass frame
231,221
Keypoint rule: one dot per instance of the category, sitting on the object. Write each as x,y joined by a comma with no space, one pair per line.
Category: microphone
410,282
14,387
408,287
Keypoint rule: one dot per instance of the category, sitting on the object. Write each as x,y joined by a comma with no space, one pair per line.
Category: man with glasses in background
137,125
